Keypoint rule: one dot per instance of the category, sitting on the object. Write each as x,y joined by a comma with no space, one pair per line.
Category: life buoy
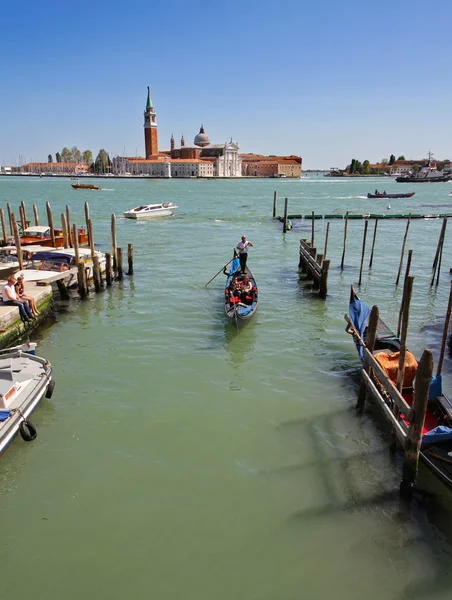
27,431
50,389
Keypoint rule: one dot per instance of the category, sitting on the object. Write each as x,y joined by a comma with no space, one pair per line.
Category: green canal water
179,459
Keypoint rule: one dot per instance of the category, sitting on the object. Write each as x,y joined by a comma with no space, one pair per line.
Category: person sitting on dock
20,291
10,298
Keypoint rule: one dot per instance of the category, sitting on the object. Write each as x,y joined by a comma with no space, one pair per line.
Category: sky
329,81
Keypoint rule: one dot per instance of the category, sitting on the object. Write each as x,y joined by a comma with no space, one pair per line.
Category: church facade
201,159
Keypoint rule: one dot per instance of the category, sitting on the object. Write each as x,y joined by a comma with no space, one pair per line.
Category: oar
222,269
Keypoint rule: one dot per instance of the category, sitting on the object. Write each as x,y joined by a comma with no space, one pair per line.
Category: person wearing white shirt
242,247
10,298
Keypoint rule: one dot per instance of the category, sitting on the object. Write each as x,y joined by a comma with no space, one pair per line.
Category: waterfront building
258,165
55,168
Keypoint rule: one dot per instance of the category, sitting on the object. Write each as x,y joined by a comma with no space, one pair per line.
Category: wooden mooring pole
108,268
91,239
345,240
445,334
11,230
76,252
87,219
407,272
2,215
326,239
62,289
113,243
414,436
23,215
312,231
373,244
130,258
403,250
440,242
366,224
286,210
35,212
17,241
69,228
64,228
96,274
274,204
371,336
81,279
407,293
50,222
119,263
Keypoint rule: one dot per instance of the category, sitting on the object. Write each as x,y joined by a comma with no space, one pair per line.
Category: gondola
436,448
391,195
240,307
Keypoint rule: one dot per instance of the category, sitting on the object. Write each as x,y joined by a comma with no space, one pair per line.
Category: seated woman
20,291
247,291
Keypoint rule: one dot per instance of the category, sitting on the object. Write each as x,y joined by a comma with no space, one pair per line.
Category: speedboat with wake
151,211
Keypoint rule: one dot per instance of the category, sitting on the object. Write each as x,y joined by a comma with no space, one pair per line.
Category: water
179,459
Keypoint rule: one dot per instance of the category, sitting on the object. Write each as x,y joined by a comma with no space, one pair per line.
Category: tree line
102,163
356,167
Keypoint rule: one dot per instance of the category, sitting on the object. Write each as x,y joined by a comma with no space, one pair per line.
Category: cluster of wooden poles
114,259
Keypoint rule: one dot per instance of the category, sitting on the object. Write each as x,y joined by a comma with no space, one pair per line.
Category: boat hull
423,179
87,186
376,196
144,217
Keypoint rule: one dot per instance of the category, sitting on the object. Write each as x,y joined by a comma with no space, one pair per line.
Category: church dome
202,139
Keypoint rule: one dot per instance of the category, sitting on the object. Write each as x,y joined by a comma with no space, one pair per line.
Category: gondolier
242,247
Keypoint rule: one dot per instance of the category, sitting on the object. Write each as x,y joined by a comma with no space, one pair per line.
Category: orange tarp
390,363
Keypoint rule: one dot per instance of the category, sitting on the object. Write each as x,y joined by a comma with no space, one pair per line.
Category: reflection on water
239,346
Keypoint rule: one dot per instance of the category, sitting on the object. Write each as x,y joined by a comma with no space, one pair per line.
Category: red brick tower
150,129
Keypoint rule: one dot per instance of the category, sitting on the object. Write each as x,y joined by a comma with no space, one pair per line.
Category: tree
102,162
392,159
384,161
87,157
366,168
401,157
66,155
358,167
58,157
416,168
49,158
76,155
352,166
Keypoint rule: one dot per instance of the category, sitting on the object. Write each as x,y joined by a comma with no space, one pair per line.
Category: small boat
40,234
24,379
240,307
436,448
391,195
60,260
427,174
85,186
151,211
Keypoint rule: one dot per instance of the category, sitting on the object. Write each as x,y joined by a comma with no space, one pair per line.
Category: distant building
55,168
258,165
202,159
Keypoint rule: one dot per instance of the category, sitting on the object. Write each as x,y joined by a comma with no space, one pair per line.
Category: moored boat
378,195
40,235
427,174
436,448
24,380
85,186
240,305
151,211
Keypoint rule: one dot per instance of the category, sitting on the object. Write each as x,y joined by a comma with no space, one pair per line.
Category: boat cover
359,316
437,435
52,256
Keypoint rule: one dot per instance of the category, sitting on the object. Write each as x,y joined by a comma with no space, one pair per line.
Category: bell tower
150,129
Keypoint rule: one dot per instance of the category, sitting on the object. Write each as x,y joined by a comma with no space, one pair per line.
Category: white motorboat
49,261
24,380
151,211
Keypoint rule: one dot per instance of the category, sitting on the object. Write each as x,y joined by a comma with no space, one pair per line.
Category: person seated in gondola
247,291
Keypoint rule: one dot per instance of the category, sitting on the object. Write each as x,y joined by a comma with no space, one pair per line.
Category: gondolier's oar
222,269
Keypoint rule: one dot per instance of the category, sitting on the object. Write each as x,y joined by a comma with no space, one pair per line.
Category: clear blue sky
328,80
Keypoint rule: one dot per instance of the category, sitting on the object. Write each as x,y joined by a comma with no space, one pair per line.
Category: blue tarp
4,414
52,256
437,435
359,314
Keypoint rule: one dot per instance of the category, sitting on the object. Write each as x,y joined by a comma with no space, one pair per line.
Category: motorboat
151,211
40,234
85,186
24,379
384,195
8,261
49,261
427,174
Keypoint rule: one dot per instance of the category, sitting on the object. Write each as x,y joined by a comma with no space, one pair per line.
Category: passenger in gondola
247,291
